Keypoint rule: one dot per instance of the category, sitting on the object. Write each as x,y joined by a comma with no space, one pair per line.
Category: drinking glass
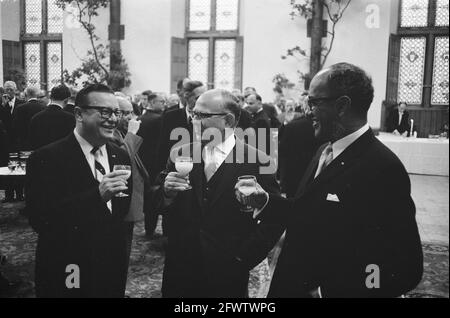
246,189
184,166
125,177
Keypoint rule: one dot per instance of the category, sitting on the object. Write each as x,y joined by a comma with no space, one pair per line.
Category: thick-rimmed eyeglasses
316,101
200,115
105,112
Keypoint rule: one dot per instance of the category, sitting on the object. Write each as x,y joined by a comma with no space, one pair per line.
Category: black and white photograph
225,155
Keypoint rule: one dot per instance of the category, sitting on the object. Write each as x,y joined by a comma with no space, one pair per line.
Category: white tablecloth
420,155
4,171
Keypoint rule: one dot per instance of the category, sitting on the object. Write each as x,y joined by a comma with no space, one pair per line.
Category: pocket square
332,198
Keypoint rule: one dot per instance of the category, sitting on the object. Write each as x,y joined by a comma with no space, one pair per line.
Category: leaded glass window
440,72
200,15
442,13
32,57
54,64
414,13
412,63
227,15
54,17
224,64
198,59
33,16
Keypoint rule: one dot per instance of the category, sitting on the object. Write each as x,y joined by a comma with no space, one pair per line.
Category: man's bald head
219,101
124,104
32,92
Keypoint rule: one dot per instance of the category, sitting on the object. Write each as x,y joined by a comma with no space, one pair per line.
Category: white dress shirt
102,157
343,143
216,155
12,102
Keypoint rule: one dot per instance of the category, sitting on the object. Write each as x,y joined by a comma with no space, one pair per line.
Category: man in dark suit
179,118
9,106
3,146
351,230
296,149
260,122
53,123
72,204
212,242
150,133
398,120
23,116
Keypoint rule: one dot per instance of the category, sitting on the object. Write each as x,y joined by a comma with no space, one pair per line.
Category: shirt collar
32,99
86,146
227,146
12,102
343,143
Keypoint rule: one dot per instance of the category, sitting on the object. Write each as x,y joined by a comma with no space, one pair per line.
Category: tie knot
94,150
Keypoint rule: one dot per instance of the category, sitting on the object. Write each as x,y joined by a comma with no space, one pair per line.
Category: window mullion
432,7
213,14
210,83
428,75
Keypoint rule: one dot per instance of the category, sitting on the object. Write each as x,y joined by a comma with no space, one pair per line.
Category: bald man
22,117
213,242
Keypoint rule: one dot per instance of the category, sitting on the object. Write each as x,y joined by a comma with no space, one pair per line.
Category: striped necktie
99,169
325,159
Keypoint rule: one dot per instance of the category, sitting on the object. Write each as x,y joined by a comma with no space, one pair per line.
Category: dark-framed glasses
105,112
199,115
316,101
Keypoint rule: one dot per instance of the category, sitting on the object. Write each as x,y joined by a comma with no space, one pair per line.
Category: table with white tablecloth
420,155
7,177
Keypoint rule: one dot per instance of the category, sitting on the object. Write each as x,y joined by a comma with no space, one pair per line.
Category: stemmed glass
184,166
125,177
246,188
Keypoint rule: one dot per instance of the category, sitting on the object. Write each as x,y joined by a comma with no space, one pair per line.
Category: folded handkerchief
332,198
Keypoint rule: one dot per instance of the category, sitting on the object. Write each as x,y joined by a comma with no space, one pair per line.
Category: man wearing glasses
212,242
72,203
351,229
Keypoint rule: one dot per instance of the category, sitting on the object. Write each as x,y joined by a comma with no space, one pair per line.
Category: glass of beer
246,188
184,166
125,177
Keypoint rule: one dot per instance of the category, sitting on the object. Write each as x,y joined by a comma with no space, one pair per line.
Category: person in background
22,118
69,103
53,123
125,137
245,120
173,102
398,120
260,121
149,131
43,97
9,106
143,103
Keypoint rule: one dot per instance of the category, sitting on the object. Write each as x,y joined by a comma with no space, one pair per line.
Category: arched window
214,47
41,36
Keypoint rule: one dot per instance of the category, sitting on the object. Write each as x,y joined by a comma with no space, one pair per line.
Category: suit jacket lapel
345,160
227,172
310,171
76,155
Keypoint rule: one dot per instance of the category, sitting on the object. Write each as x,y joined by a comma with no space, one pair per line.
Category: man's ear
78,113
230,120
343,105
